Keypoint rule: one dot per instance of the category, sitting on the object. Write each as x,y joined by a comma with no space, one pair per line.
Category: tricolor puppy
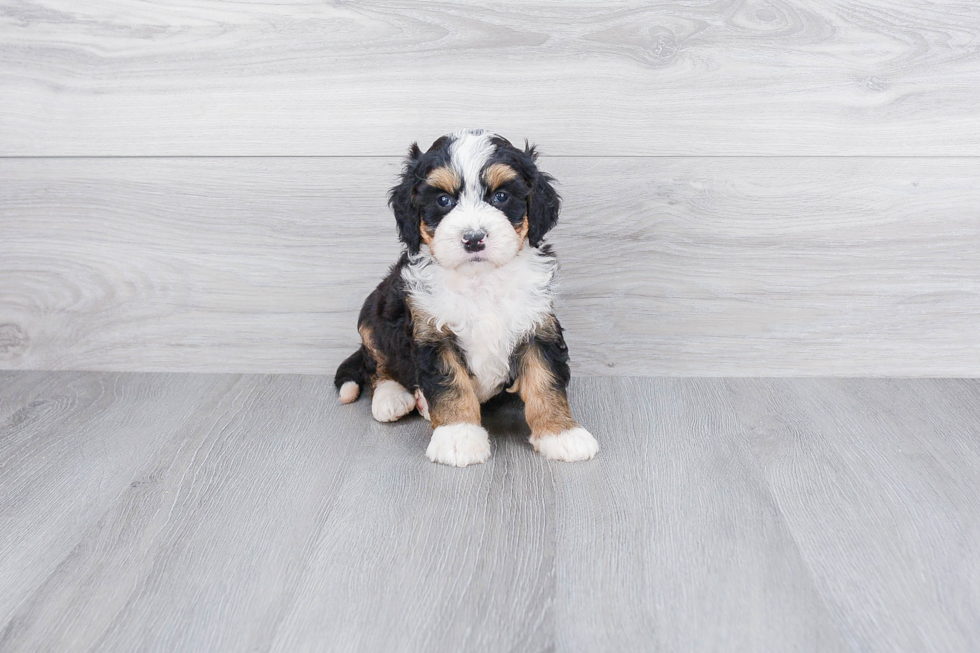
467,311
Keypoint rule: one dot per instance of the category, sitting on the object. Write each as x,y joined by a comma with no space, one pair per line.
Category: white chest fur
489,311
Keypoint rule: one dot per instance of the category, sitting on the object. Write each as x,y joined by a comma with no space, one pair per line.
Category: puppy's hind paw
349,392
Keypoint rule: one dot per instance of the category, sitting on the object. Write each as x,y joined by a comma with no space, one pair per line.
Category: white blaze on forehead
469,154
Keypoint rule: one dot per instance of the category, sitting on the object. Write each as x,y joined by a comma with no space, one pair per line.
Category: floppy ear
402,201
543,203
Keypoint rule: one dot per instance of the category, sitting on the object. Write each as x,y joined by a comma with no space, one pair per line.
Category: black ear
543,203
401,199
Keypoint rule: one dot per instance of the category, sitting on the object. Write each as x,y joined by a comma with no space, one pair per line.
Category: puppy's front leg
542,378
458,439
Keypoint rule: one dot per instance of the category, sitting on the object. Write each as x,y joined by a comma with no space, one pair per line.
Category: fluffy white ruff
349,392
459,445
390,401
569,446
489,312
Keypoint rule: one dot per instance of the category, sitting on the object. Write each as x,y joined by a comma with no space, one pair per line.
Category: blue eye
500,197
445,201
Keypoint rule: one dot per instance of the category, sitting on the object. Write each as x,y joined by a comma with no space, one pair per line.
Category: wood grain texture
710,266
671,539
159,512
164,525
868,77
71,446
896,500
459,560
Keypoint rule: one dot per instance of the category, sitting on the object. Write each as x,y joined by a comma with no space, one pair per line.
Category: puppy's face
474,200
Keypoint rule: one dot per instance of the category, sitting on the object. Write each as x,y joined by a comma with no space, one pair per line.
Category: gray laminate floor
163,512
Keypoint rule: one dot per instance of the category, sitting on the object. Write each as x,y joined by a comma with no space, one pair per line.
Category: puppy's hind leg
391,401
351,377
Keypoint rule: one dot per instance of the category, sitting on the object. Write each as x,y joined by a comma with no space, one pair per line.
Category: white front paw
569,446
390,401
459,445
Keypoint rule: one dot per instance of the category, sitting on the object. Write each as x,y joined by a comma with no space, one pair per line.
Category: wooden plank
198,547
225,513
264,524
734,267
670,540
71,444
869,77
446,559
874,477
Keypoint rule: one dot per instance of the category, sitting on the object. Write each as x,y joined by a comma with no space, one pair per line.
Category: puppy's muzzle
473,241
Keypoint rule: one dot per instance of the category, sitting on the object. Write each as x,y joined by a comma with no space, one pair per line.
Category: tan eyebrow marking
498,174
445,178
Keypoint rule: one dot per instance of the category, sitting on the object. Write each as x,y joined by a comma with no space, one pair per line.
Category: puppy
467,311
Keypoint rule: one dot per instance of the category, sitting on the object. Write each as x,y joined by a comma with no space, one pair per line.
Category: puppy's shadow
503,417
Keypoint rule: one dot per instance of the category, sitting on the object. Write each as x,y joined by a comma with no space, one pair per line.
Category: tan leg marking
458,404
545,406
381,371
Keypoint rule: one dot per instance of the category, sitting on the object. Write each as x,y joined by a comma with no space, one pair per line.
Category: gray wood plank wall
779,189
609,77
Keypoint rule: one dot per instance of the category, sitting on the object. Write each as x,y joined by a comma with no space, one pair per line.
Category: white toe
459,445
422,404
569,446
390,401
349,392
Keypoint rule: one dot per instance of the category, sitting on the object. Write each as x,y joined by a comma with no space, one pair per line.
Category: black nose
473,241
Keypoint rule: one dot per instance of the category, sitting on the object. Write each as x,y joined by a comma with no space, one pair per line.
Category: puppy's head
473,199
